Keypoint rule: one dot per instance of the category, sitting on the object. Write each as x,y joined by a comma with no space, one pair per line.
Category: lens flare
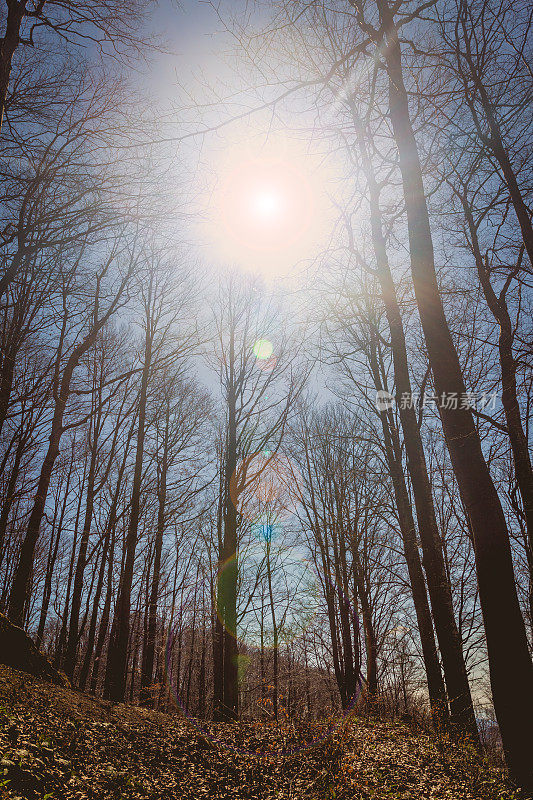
267,531
263,349
266,486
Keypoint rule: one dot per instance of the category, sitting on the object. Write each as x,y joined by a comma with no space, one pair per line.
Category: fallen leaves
60,744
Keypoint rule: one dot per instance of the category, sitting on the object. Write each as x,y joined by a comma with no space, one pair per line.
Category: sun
266,206
267,211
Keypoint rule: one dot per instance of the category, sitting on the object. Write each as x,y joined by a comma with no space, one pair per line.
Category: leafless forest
266,350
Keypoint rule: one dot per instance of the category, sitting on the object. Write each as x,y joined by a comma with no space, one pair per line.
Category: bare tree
111,26
180,412
64,368
504,625
256,418
165,340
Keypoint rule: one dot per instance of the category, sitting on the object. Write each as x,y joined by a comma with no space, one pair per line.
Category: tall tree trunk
19,589
201,673
115,683
6,381
47,590
350,672
9,495
73,632
149,642
307,682
338,666
16,10
504,626
91,635
110,537
262,672
218,628
511,407
228,578
218,666
54,546
275,677
370,636
455,675
436,689
191,657
106,613
62,638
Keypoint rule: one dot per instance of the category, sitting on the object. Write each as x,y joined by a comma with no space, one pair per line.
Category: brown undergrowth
58,744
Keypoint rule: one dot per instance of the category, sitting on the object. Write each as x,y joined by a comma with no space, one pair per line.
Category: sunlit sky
261,196
268,209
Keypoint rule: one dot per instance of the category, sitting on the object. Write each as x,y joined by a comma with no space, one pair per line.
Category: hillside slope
56,743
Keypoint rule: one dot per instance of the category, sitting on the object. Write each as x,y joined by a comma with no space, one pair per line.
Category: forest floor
57,744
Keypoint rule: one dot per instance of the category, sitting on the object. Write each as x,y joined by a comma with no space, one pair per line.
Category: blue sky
191,28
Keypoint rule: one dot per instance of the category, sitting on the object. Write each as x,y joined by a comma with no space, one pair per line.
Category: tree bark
19,589
91,635
370,640
228,578
436,689
218,629
149,642
16,10
455,675
511,407
275,676
9,495
73,632
117,658
106,612
504,626
54,546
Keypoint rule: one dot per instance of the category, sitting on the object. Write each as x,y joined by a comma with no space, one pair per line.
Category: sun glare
267,204
268,211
